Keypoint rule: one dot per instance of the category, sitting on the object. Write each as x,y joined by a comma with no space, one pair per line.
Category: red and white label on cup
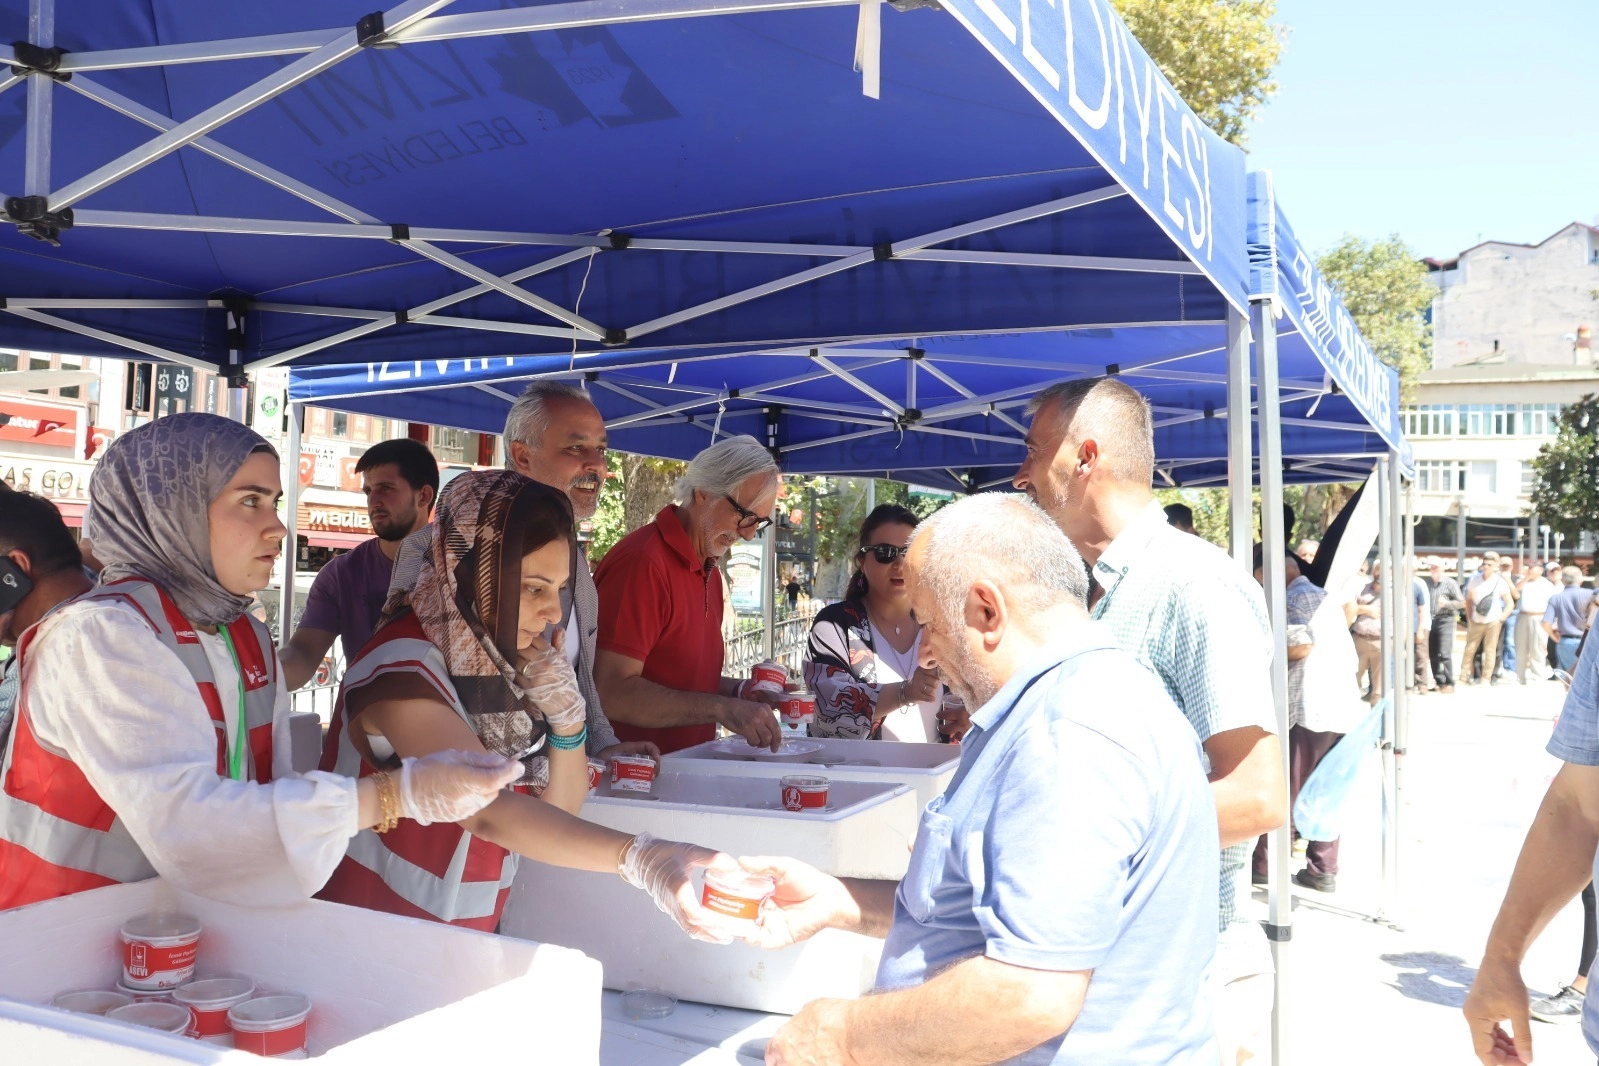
797,708
804,793
632,773
768,671
158,950
596,774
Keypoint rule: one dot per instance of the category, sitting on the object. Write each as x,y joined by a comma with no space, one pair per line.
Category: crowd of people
1105,672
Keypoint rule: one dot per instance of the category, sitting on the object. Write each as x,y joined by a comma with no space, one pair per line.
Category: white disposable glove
665,869
450,785
544,673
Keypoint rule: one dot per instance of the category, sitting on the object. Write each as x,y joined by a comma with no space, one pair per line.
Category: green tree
1566,493
1387,292
1219,54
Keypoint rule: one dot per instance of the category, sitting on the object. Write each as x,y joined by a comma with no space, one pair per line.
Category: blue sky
1445,122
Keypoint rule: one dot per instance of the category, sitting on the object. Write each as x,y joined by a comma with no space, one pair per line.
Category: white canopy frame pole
1389,637
1279,920
291,519
1240,457
1402,718
1402,634
41,34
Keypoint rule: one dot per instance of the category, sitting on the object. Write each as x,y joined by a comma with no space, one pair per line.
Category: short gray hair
722,467
1003,537
1111,412
1570,575
530,414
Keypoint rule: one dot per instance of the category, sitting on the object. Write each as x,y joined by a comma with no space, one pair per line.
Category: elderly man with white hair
660,650
1060,903
554,434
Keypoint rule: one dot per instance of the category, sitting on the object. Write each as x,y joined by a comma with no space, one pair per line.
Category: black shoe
1564,1006
1320,882
1258,879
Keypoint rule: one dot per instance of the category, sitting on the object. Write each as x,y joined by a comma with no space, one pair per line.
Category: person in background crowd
1487,605
660,648
1557,861
791,590
1191,615
462,663
401,480
1063,885
864,660
1447,600
1180,516
1421,595
1308,550
1322,706
168,751
554,434
1365,627
1505,661
1533,594
40,569
1568,616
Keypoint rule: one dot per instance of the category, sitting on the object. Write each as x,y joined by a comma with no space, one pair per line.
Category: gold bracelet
621,856
388,801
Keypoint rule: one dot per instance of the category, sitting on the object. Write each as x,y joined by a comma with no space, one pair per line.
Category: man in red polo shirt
659,660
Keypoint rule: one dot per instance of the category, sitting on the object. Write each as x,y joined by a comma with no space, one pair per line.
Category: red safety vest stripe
25,878
356,886
54,784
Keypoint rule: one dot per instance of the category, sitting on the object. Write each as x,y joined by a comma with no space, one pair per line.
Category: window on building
8,361
1482,478
37,362
1440,476
341,424
1430,420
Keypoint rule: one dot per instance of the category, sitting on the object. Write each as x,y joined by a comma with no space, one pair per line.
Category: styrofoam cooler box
866,831
383,988
926,768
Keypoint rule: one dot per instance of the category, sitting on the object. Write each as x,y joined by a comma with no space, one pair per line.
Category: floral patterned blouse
843,669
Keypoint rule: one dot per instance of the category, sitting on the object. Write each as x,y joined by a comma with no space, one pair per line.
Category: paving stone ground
1368,991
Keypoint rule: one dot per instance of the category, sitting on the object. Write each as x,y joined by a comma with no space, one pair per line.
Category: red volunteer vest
438,871
57,836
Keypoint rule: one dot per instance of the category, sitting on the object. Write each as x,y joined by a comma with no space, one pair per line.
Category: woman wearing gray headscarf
152,733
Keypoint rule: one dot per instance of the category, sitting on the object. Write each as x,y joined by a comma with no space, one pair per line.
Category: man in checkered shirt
1193,617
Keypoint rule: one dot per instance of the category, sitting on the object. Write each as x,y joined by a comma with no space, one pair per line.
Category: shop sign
37,423
334,520
59,479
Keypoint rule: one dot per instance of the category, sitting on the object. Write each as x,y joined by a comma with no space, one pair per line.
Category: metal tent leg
291,519
1279,922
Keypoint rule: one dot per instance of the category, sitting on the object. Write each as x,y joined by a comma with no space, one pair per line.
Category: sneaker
1564,1006
1320,882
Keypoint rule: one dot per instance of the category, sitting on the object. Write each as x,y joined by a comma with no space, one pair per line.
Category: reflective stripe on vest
440,870
57,836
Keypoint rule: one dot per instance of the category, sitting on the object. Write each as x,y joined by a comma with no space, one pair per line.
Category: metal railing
789,638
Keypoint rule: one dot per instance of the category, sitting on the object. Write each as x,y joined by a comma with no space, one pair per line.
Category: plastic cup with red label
735,896
797,710
145,995
158,950
767,671
596,775
162,1017
804,793
209,1001
274,1026
632,773
91,1001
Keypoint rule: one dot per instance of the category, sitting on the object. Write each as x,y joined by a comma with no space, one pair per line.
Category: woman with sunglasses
862,661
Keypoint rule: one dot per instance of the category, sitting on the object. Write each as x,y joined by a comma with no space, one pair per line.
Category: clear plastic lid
646,1003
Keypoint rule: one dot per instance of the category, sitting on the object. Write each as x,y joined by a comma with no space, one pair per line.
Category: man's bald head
1107,411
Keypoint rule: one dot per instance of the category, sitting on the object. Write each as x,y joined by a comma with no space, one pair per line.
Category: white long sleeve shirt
102,688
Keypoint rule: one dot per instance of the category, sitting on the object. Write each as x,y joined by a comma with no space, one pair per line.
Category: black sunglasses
747,520
884,553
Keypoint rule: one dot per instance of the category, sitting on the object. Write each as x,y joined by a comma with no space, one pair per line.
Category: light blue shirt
1576,740
1078,833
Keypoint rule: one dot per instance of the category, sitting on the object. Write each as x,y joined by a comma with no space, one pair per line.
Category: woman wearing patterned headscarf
152,731
460,661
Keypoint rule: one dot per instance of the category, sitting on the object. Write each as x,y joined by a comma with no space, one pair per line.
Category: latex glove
665,869
448,786
545,675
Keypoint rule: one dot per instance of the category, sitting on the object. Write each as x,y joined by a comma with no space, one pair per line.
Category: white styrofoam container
926,768
383,988
866,833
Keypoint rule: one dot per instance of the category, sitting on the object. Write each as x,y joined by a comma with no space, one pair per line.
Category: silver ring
527,671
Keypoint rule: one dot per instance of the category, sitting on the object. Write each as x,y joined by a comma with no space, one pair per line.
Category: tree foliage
1387,292
1219,54
1565,495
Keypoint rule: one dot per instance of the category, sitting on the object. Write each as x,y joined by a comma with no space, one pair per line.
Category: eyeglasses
884,553
747,520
